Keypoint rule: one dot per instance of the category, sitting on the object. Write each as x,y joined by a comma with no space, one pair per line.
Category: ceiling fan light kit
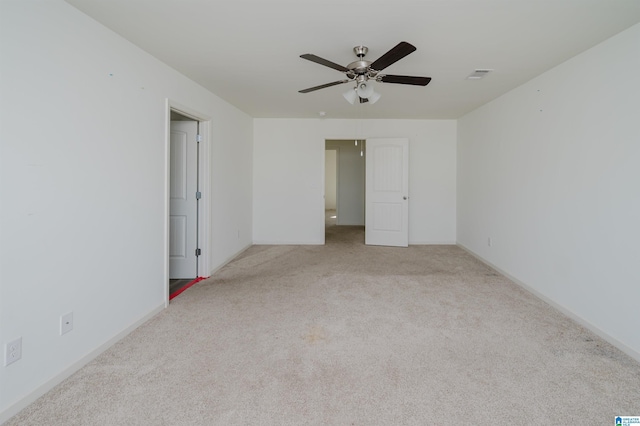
375,96
363,73
364,89
351,96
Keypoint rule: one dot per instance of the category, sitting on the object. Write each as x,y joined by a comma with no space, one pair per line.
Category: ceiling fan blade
311,89
405,79
326,63
401,50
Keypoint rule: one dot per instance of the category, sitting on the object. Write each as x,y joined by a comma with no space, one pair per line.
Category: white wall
330,178
288,176
82,188
550,171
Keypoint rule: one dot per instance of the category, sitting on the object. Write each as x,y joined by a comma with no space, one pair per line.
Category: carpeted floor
346,334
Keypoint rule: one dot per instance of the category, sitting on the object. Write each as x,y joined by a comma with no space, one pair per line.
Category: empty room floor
350,334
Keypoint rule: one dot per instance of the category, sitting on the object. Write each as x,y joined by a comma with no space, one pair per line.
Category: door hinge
198,252
198,138
198,195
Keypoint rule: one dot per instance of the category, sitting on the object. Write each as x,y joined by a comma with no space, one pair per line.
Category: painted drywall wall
288,175
82,188
351,183
550,173
330,178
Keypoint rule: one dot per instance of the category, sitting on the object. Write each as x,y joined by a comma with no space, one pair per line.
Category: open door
387,192
183,213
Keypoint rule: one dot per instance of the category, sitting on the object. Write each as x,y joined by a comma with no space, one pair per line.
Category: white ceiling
247,51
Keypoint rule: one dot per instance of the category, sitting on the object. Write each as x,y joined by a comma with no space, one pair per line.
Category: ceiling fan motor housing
359,67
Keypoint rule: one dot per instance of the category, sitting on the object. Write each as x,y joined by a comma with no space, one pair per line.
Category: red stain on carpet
179,291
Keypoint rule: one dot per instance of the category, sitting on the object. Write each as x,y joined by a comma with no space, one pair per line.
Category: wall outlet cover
13,351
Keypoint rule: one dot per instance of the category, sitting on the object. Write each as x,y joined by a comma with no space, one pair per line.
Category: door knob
404,198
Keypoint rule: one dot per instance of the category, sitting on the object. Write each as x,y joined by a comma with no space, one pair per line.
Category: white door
387,193
183,225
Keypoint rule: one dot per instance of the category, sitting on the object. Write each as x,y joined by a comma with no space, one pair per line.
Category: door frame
359,136
204,179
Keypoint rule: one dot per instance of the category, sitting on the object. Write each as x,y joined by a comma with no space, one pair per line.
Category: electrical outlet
66,323
13,351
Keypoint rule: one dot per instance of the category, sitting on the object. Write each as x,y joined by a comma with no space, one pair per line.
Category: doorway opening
187,174
344,190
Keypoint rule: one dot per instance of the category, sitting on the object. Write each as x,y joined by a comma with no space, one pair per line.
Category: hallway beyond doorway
341,234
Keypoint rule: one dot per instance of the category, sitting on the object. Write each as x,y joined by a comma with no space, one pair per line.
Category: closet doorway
188,205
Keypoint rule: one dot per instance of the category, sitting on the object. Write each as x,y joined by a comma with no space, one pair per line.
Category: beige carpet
346,334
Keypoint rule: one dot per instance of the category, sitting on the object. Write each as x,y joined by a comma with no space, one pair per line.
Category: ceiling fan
361,71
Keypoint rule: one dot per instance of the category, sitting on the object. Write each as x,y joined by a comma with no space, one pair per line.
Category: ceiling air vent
478,74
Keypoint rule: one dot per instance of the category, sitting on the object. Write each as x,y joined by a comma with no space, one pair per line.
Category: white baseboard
229,259
21,404
575,317
287,243
432,243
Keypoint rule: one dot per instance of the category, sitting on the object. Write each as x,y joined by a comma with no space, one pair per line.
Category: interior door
387,192
183,224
